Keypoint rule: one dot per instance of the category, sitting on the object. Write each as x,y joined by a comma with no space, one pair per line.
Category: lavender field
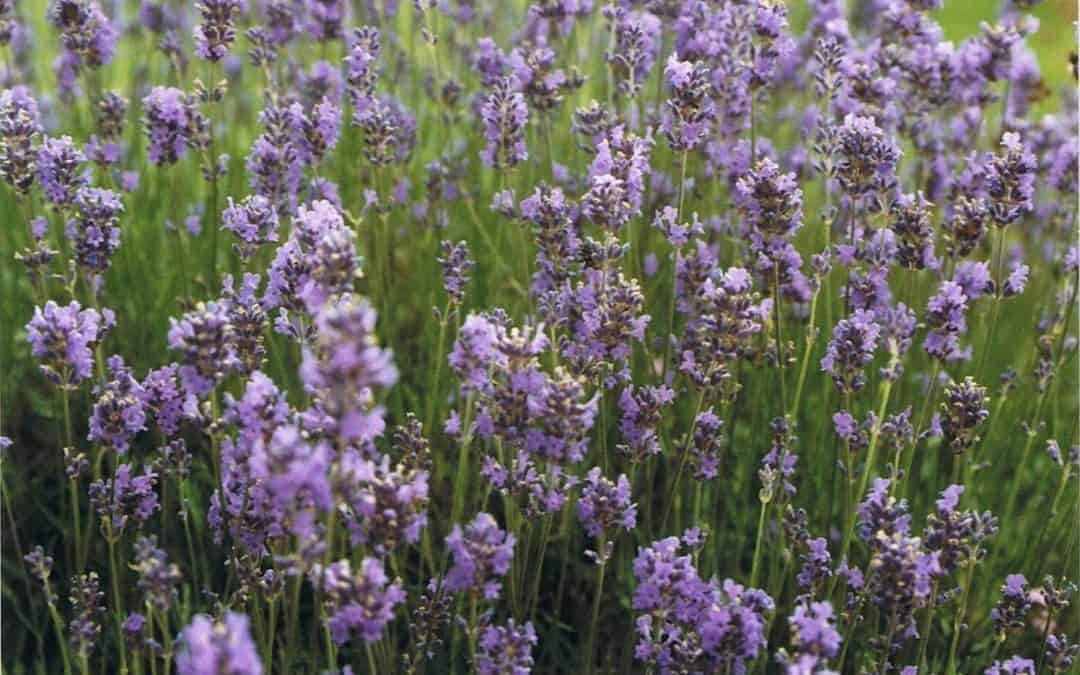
550,336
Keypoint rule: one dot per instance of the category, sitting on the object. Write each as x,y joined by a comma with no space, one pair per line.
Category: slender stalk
114,577
756,567
591,644
928,624
961,611
669,337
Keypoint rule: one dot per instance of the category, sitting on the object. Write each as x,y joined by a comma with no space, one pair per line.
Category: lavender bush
581,336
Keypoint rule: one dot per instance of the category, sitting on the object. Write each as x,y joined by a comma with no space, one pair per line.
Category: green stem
756,568
591,644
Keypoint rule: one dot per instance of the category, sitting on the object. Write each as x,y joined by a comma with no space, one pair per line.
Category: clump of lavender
204,337
360,64
1015,665
850,350
1010,181
210,647
962,412
158,578
636,47
119,411
94,232
505,649
359,604
87,607
642,411
505,116
605,505
945,318
64,338
168,117
867,156
346,368
254,221
688,112
482,554
217,28
955,535
1011,611
20,127
125,498
909,219
456,265
59,162
814,638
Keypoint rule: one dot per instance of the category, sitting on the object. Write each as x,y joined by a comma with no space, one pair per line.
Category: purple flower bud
359,604
119,411
209,647
482,554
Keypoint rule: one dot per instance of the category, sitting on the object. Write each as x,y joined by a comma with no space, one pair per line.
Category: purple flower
813,630
816,565
909,219
867,157
254,222
164,398
505,650
850,350
209,647
642,412
119,411
956,535
20,126
273,165
636,48
58,164
63,338
962,412
456,265
945,318
1014,666
359,604
504,115
1012,609
216,30
167,121
125,498
688,113
205,339
360,64
325,18
605,505
1010,181
87,605
1016,281
94,232
974,279
771,200
882,513
88,37
158,578
1060,653
389,501
346,368
482,553
318,132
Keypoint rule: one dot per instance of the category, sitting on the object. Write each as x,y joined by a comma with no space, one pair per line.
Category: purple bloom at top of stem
688,113
216,30
605,504
125,498
813,630
225,647
205,338
642,411
1010,180
505,115
456,265
63,337
346,368
58,164
771,200
365,46
881,512
1016,665
482,553
88,37
1011,611
167,121
505,650
94,230
962,412
867,156
359,603
974,279
945,318
851,349
119,411
254,221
